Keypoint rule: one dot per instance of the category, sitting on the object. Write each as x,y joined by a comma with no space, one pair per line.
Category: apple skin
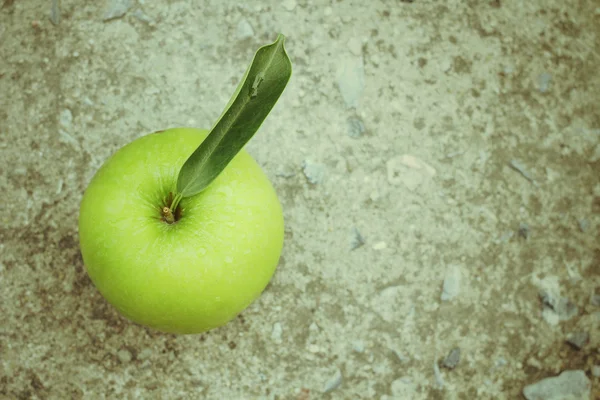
193,275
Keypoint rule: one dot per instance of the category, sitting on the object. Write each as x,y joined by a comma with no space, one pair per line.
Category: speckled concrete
448,96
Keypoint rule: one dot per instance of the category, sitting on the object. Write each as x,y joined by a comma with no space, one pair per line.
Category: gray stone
451,286
116,9
562,307
578,339
596,300
55,12
277,332
334,382
66,118
501,362
124,355
244,30
357,239
358,346
524,231
452,359
140,16
520,168
544,82
145,354
355,127
571,385
314,172
351,81
439,379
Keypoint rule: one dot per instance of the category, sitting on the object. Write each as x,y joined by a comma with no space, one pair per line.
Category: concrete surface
418,141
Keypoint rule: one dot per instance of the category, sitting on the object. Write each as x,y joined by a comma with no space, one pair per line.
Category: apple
181,230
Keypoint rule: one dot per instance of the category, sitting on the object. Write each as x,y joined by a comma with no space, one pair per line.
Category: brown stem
167,215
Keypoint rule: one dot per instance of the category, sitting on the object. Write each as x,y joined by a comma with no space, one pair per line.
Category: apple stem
168,216
170,210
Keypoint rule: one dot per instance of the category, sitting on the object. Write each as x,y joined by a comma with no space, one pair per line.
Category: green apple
180,230
188,276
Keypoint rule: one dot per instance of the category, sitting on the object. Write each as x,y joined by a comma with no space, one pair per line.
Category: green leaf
255,96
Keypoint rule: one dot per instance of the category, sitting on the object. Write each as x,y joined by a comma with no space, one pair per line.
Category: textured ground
401,123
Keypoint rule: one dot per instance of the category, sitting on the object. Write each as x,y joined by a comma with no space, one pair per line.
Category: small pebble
572,384
557,308
140,16
54,13
244,30
351,81
451,286
596,371
439,379
277,332
66,118
452,359
355,127
596,300
583,225
524,231
145,354
358,346
578,339
116,9
357,239
333,383
446,65
314,172
544,82
124,355
520,168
